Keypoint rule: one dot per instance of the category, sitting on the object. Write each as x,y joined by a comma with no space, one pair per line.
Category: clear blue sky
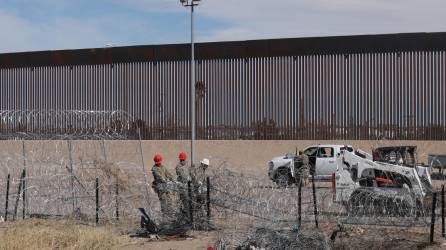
69,24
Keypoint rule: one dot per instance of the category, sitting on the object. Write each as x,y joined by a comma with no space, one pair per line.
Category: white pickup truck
322,159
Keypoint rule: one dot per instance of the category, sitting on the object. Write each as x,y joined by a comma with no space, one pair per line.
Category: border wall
327,88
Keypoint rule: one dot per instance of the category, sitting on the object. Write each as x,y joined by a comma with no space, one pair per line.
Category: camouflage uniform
183,177
161,178
199,190
199,175
183,172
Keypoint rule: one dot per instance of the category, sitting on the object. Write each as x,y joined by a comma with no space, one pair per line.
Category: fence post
117,200
24,194
97,200
442,212
299,203
434,203
70,156
19,192
333,185
208,199
191,212
24,167
314,201
7,196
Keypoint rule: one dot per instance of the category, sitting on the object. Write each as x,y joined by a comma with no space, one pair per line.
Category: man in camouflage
199,173
199,184
161,178
183,177
305,169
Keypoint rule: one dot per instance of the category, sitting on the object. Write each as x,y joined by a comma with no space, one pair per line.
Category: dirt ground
195,240
354,237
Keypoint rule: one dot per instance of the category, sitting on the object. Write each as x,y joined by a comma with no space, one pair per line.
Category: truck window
311,151
325,152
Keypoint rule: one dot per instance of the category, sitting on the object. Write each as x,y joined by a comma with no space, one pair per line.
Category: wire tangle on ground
65,124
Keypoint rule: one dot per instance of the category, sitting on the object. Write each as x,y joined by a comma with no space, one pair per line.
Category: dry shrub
43,234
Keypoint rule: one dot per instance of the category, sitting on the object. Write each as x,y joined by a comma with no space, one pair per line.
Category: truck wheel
283,179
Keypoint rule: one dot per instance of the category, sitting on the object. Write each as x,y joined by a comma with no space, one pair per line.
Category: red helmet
182,156
157,159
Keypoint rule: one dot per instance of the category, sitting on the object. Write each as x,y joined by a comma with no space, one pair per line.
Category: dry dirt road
197,241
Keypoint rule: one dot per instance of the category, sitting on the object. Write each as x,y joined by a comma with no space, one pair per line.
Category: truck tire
283,178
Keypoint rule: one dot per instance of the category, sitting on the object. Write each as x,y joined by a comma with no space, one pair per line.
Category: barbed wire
247,209
65,124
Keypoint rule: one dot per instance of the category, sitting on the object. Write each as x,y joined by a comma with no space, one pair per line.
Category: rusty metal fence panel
356,96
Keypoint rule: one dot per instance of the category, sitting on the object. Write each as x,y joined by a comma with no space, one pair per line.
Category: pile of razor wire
65,124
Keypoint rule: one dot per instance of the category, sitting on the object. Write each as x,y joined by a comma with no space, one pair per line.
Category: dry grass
44,234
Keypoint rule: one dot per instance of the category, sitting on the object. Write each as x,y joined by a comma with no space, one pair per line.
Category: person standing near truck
305,168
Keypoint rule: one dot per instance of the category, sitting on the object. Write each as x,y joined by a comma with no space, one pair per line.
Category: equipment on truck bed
390,183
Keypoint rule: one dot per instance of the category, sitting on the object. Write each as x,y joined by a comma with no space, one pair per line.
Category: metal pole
442,212
434,203
192,87
24,194
299,202
97,200
117,201
19,192
333,185
24,167
70,148
7,196
208,198
314,201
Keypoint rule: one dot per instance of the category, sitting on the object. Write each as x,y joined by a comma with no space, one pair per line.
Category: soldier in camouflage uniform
305,169
183,177
199,185
161,178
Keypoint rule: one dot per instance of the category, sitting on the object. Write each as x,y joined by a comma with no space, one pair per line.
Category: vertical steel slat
339,96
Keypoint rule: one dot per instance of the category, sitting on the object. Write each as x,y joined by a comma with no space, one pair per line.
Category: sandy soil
195,240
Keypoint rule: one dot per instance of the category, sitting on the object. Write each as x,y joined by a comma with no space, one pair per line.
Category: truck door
311,152
325,162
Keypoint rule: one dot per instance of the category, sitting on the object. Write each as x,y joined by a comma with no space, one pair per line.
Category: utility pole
192,4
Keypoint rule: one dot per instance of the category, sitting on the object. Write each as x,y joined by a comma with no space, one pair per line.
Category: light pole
192,4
